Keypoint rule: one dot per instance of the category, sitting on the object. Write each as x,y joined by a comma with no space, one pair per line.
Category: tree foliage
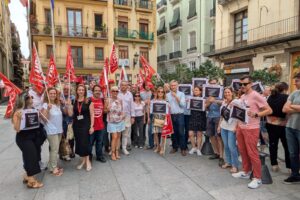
264,77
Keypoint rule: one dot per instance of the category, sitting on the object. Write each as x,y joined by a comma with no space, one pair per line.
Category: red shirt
98,114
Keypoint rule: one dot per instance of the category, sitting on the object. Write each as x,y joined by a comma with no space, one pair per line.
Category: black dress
81,128
197,121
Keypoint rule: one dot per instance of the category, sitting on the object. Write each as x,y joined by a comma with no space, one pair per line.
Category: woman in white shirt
139,121
227,127
53,118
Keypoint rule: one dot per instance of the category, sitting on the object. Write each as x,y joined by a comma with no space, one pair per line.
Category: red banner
168,127
52,74
113,60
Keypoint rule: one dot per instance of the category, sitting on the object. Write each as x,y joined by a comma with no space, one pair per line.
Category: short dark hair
297,75
93,89
246,77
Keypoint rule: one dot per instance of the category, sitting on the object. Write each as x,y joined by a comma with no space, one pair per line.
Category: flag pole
29,31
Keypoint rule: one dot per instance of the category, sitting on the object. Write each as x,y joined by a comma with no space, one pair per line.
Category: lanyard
79,107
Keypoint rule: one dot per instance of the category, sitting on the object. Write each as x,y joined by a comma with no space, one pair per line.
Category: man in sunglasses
292,107
247,134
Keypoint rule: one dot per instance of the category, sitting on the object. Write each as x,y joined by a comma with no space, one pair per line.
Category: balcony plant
33,24
58,30
103,31
95,34
47,29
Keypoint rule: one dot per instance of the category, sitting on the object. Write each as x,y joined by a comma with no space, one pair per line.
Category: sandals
234,170
34,184
225,166
57,172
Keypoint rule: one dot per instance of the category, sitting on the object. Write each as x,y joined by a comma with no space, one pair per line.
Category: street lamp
135,59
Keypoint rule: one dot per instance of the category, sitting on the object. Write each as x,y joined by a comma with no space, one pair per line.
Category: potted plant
47,29
103,31
58,30
95,34
33,24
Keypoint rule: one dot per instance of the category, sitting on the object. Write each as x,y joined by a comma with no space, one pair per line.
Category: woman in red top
97,135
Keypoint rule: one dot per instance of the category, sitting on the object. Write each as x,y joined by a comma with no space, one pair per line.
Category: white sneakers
125,152
241,174
194,150
255,183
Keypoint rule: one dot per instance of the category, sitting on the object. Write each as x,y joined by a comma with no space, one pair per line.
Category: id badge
79,117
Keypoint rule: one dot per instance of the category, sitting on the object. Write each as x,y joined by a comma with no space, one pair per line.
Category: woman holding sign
158,119
83,125
227,127
26,123
197,123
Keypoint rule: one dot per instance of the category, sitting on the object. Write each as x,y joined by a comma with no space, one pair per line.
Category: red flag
168,127
70,72
24,3
36,76
140,80
52,74
149,71
113,60
11,91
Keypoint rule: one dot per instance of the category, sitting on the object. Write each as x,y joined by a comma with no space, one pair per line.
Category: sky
19,18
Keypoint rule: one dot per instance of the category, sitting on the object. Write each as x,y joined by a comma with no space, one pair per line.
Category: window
176,43
98,22
48,51
192,39
192,9
123,52
144,31
122,29
144,51
47,17
77,55
192,65
74,22
241,27
99,53
162,48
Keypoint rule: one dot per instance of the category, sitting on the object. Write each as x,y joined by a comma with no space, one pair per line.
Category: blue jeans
186,127
231,152
97,137
150,134
178,137
293,142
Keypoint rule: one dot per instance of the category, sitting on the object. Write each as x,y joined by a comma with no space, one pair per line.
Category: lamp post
135,59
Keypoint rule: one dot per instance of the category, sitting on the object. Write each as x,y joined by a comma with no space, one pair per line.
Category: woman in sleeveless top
83,123
26,123
115,121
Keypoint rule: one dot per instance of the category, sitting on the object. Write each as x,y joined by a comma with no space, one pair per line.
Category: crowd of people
74,122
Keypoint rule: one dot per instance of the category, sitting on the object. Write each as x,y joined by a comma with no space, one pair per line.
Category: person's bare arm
92,115
287,108
17,120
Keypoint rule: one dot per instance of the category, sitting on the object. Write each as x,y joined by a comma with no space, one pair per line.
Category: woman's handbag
64,147
70,133
159,122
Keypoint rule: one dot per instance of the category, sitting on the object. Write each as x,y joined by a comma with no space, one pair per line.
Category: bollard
266,177
207,148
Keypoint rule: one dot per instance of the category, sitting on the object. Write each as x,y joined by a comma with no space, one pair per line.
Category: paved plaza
143,175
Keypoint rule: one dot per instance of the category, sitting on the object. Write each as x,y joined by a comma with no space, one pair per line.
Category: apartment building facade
185,28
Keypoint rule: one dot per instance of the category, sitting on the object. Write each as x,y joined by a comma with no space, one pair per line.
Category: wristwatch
256,115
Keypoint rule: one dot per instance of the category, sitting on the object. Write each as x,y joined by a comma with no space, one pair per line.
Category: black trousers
275,133
138,133
41,137
29,143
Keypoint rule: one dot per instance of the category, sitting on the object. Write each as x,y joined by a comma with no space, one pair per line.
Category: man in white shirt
127,100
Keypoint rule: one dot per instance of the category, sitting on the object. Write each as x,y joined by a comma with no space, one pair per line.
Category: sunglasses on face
244,84
137,96
114,91
160,91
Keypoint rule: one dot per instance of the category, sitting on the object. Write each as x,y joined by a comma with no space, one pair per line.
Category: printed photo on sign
31,120
159,108
257,86
185,88
199,82
239,113
196,103
213,91
235,84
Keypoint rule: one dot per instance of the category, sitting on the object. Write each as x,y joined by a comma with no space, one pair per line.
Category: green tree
209,70
264,77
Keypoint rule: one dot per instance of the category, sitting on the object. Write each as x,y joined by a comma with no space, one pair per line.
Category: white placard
186,89
199,82
212,91
196,103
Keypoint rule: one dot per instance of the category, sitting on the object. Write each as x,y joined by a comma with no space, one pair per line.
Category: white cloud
19,18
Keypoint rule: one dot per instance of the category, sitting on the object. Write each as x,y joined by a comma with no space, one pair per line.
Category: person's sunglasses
244,84
160,92
137,95
297,80
114,91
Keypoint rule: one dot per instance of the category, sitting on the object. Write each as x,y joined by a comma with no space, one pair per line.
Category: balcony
173,2
123,4
191,50
212,13
162,58
161,6
83,32
133,35
175,26
144,6
175,55
224,2
269,34
161,32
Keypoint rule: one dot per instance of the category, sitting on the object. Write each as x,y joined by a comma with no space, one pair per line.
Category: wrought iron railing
174,25
133,34
144,4
161,4
123,3
176,54
192,49
70,31
162,31
162,58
